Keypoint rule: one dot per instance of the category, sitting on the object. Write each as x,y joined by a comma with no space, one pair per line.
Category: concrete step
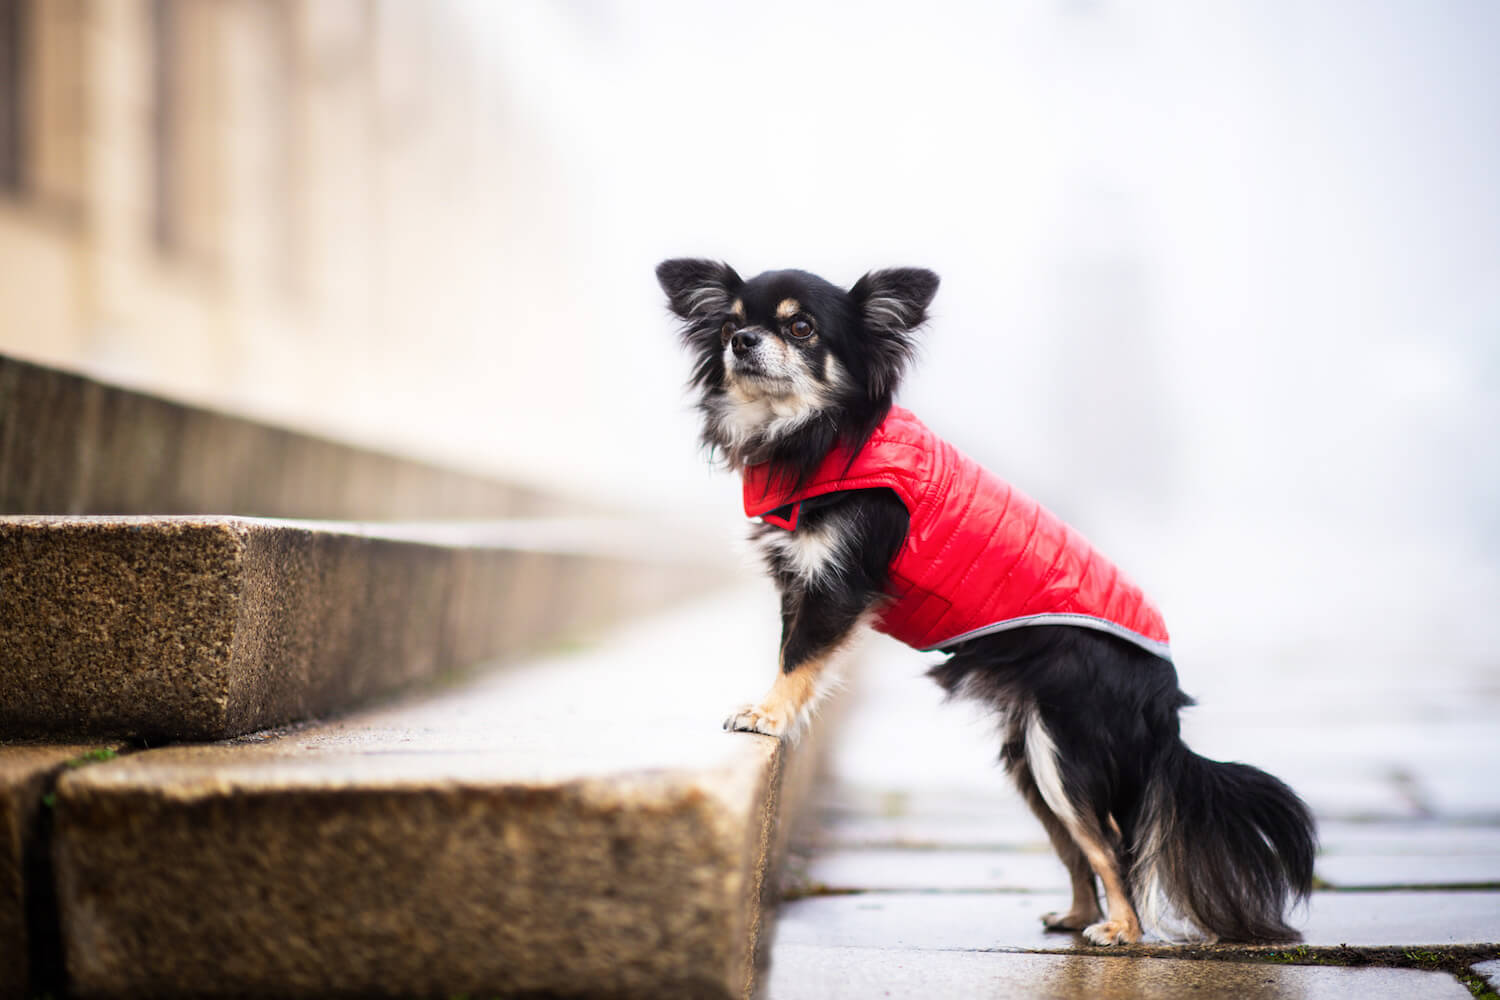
574,826
200,628
26,775
73,445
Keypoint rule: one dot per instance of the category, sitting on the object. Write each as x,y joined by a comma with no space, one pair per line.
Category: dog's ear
892,303
697,288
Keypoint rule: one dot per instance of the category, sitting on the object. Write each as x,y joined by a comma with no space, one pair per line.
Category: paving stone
1344,871
821,973
1429,837
1008,826
922,921
73,445
922,832
907,870
579,826
1436,853
972,921
196,628
1403,918
25,772
1490,971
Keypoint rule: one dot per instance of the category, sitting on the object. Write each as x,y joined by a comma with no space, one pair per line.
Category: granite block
73,445
199,628
25,890
575,826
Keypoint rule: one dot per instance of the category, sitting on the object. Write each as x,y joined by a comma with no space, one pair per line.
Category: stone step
199,628
574,826
26,773
73,445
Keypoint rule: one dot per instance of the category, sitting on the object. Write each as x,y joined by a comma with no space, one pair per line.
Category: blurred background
1221,281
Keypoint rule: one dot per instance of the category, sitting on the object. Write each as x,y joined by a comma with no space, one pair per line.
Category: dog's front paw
755,719
1108,932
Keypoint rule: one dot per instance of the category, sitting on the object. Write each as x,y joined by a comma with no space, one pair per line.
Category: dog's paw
1109,932
1070,921
755,719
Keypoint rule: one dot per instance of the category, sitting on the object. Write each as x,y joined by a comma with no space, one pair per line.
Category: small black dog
796,378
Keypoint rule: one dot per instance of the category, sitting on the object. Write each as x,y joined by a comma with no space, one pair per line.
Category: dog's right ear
697,288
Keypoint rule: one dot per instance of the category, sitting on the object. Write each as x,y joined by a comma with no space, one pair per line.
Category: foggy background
1221,281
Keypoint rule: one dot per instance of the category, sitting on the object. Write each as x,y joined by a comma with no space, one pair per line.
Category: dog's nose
743,341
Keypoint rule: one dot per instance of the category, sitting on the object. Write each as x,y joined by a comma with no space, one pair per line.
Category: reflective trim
1082,621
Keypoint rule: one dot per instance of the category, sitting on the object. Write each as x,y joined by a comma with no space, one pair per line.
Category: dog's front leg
816,624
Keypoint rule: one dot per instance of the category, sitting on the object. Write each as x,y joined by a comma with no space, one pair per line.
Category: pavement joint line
926,847
816,891
1387,956
819,890
1417,887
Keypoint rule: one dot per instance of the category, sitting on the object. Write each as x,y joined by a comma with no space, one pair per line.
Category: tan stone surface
24,774
202,628
72,445
575,826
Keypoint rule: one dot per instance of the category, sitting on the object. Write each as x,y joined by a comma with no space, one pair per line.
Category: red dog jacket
980,555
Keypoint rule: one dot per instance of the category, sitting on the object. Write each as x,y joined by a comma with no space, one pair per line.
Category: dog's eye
801,329
727,331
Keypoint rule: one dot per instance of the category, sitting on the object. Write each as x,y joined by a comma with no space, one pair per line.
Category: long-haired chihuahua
865,517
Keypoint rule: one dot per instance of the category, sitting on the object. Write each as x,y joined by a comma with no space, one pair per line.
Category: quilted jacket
980,556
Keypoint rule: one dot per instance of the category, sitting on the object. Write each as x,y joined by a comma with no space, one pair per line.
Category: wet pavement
810,973
925,874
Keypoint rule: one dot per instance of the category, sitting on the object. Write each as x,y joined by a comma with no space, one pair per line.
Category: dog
865,518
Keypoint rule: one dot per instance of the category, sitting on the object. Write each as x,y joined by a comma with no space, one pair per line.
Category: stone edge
759,803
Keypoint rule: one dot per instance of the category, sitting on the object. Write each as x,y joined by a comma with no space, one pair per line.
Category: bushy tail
1228,847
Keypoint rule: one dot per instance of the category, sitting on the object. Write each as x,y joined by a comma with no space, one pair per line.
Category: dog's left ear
892,303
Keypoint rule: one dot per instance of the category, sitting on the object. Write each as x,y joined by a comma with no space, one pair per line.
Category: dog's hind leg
1044,764
1123,926
1085,909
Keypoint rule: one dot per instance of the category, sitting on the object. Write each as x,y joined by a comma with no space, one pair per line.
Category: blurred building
253,202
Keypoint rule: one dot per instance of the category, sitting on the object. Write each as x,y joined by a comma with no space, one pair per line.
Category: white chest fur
812,551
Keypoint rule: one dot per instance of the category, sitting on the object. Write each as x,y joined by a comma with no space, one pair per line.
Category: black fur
1231,847
1236,845
816,615
874,351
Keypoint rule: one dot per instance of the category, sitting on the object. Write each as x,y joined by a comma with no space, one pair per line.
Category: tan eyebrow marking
738,308
788,308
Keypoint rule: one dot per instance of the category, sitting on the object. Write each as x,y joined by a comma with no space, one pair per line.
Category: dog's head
786,354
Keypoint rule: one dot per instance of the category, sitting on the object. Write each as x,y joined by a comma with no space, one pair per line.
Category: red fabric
979,556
